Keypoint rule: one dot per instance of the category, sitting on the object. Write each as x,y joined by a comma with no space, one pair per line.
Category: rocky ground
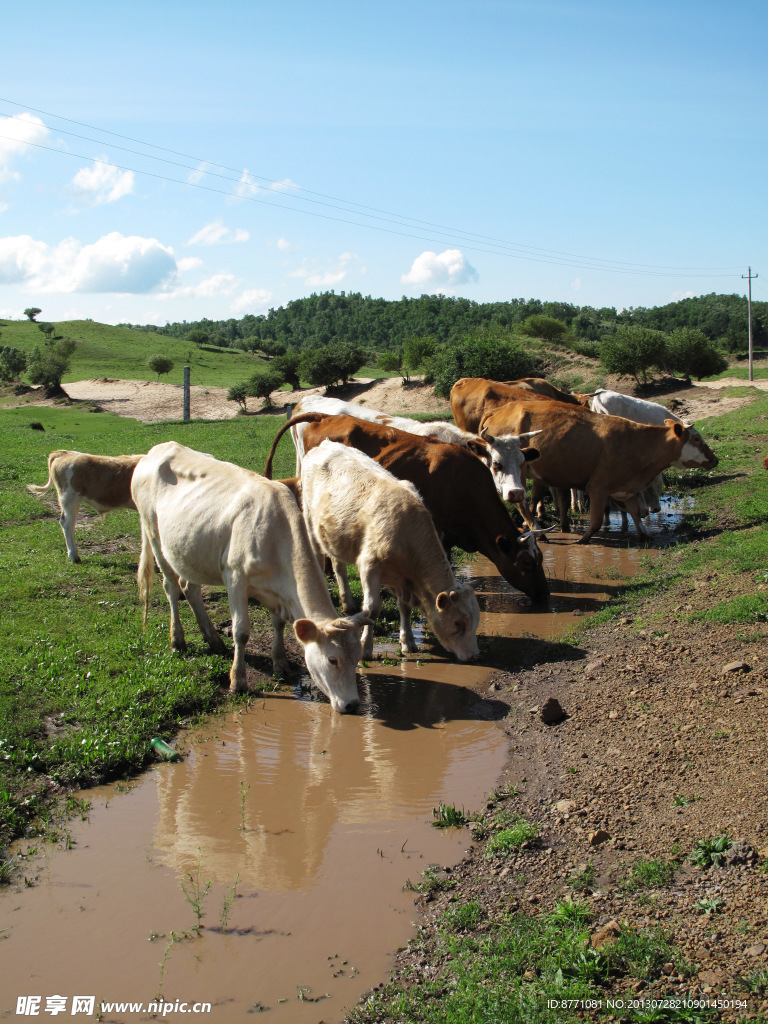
662,744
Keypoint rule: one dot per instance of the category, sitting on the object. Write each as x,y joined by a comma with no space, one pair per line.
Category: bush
692,354
47,365
288,365
417,351
331,364
546,327
263,383
491,356
632,351
160,365
13,362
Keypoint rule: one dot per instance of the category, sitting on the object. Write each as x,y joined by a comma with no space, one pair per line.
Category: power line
488,244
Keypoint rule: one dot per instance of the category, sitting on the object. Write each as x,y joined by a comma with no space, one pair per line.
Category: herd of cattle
388,494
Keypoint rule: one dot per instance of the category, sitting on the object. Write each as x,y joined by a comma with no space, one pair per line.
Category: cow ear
479,448
442,601
306,631
678,429
529,454
504,544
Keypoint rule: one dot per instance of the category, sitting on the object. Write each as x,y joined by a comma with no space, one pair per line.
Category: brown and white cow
606,456
504,456
102,481
357,511
473,397
211,523
456,488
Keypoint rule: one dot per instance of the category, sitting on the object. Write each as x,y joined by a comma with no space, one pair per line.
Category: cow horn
527,436
486,436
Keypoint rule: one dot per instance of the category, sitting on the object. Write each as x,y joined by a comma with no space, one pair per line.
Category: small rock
613,715
735,666
564,806
533,899
593,666
551,711
757,950
598,837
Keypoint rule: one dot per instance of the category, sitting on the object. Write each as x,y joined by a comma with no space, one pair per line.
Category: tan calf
102,481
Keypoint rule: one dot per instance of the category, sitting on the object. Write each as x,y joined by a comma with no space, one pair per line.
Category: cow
765,462
456,488
210,523
504,456
612,403
473,397
357,511
440,429
102,481
607,456
542,387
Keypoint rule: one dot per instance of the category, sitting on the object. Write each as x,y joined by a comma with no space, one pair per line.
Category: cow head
696,453
332,650
521,563
454,619
507,458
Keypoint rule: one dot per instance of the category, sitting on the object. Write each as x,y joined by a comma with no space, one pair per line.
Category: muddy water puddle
292,828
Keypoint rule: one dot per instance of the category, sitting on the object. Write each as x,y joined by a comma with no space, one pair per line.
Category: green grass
509,971
121,352
649,874
82,688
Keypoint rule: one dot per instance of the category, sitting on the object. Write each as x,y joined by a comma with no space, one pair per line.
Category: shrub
288,364
47,365
160,365
546,327
488,356
417,351
331,364
263,383
32,313
691,353
13,362
632,351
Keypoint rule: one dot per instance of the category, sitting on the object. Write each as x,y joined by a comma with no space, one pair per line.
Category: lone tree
160,365
47,365
32,312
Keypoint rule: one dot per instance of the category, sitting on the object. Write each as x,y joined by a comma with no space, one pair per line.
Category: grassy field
82,688
122,353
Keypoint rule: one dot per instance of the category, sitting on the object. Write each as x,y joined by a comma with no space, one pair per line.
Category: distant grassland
122,353
82,688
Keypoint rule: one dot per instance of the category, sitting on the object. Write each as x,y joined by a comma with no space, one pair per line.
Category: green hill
122,352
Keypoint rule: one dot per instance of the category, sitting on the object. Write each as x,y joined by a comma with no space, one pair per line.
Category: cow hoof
179,648
583,540
217,646
75,560
239,686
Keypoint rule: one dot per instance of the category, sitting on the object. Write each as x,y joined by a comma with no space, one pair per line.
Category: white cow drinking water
211,523
357,511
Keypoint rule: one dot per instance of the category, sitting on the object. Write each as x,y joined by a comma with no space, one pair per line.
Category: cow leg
173,592
70,506
562,500
237,592
194,595
370,577
280,665
597,504
345,594
407,642
633,507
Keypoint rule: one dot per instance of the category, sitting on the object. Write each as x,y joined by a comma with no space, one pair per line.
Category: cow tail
305,417
36,488
146,573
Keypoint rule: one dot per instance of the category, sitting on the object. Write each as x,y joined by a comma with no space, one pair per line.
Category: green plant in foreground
708,852
195,890
448,816
649,874
570,912
229,899
582,881
709,905
508,839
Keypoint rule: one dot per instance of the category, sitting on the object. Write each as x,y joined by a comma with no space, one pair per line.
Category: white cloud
215,233
223,283
448,268
17,134
283,186
333,275
102,183
189,263
576,284
284,245
196,176
676,296
252,299
3,207
246,186
128,264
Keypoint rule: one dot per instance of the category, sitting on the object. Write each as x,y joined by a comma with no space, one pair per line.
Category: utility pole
750,277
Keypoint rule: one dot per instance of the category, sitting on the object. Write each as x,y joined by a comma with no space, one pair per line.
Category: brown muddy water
294,829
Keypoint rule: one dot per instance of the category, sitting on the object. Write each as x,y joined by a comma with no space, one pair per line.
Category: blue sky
604,153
